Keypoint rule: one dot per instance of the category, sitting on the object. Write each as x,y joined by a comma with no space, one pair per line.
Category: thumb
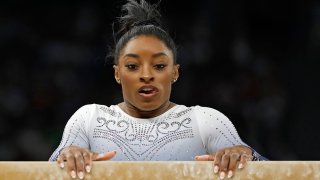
103,156
204,158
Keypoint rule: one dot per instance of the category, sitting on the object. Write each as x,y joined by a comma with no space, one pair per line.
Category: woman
146,125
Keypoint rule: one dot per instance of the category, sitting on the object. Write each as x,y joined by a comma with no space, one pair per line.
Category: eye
132,66
160,66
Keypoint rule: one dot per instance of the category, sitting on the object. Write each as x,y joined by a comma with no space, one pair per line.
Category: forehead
146,44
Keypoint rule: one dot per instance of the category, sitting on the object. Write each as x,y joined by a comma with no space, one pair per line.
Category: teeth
146,90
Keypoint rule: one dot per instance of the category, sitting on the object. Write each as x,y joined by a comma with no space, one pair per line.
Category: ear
116,73
176,72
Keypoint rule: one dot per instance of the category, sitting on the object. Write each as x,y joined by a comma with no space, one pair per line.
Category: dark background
255,61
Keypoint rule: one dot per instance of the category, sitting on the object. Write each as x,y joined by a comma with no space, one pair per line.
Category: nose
146,74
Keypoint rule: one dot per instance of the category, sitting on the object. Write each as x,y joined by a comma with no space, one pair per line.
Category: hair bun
139,18
138,13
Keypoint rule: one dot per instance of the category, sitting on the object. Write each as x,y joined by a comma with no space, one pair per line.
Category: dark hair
140,18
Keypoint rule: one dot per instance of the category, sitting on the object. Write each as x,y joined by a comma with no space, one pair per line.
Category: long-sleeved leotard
179,134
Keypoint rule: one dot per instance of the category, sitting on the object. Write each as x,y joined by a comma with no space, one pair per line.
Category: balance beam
161,170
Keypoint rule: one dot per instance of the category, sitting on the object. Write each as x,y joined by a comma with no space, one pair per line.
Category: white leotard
179,134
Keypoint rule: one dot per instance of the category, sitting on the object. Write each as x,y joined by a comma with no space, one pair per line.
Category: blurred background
255,61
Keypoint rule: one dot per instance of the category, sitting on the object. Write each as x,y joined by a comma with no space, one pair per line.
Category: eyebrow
132,55
154,55
159,54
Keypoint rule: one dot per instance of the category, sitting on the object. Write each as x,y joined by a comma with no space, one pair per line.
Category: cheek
166,82
127,82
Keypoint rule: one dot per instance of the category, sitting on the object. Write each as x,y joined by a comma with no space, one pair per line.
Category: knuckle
245,156
221,152
226,156
77,155
234,155
86,155
218,155
227,151
69,155
244,152
66,150
80,162
80,165
63,152
216,162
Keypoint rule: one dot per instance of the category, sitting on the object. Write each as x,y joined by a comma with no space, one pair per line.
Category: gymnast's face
146,71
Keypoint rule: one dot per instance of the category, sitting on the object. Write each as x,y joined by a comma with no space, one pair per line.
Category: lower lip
149,95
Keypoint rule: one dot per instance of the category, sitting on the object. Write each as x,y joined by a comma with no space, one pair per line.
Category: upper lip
148,87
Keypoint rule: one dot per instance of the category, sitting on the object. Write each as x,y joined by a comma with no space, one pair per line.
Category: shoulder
95,106
92,109
208,113
209,118
87,108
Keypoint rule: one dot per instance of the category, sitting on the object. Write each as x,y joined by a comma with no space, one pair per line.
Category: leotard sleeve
218,132
76,131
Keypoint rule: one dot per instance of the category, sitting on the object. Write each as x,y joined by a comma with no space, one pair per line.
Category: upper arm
75,132
216,130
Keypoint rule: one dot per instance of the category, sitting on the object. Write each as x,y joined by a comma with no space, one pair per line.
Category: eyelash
133,67
160,66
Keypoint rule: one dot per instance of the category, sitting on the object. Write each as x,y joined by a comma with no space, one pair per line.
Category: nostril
146,78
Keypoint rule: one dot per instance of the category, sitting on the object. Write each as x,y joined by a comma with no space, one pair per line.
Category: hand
78,159
227,159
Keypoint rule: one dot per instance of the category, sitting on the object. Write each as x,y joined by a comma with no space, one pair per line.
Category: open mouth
148,91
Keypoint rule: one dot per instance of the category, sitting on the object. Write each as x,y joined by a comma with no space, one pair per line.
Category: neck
138,113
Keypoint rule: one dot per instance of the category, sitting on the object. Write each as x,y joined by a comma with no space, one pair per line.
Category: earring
118,81
174,80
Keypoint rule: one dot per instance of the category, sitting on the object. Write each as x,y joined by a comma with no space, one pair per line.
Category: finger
217,160
60,160
71,164
103,156
204,158
243,160
224,164
87,156
79,164
234,157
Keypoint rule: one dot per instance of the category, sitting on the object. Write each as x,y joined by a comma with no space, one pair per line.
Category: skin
146,61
